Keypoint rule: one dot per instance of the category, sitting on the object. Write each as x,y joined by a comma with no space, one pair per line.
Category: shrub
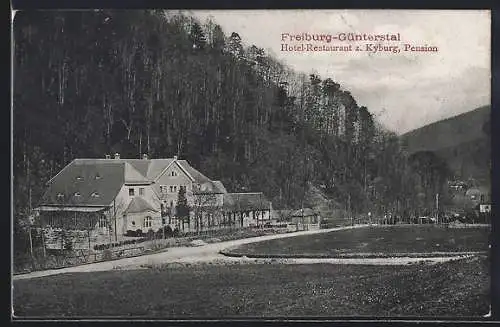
68,243
107,255
164,231
150,234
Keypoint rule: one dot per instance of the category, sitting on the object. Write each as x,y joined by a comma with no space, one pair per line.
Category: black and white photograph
233,164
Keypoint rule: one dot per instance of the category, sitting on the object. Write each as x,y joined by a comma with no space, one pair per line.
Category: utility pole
114,214
31,245
437,207
43,242
349,208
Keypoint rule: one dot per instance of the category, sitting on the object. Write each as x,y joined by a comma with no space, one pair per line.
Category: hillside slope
463,141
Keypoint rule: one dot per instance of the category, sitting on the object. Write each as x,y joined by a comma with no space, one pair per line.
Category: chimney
117,156
145,156
108,156
175,157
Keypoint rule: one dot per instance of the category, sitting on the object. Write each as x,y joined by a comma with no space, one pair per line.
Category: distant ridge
463,141
448,132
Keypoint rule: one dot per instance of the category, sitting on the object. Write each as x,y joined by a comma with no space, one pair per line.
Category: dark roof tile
195,174
307,212
84,177
138,205
246,201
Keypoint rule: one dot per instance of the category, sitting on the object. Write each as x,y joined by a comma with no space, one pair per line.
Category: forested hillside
90,83
463,141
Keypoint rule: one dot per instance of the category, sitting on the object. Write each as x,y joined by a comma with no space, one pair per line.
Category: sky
404,90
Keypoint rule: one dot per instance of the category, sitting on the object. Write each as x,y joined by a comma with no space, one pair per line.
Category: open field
458,288
375,241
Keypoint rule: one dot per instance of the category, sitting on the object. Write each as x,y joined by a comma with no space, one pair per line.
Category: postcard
236,164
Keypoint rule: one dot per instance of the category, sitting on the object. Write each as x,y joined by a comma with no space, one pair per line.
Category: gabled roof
140,165
138,205
89,182
307,212
220,186
157,166
85,183
210,187
133,176
281,214
246,201
195,174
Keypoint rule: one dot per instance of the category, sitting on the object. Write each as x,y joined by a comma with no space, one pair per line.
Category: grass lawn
377,240
459,288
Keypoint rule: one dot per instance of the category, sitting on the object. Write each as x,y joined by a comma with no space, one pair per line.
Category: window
97,177
60,195
102,222
314,219
77,194
95,195
182,187
171,189
79,178
174,173
175,188
147,222
163,189
133,223
141,191
131,192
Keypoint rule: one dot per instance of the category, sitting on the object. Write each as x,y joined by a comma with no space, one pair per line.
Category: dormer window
60,195
79,178
97,177
77,194
95,195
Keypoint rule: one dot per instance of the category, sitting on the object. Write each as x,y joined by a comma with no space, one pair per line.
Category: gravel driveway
203,253
209,253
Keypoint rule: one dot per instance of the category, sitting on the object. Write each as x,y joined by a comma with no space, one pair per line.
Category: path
209,254
177,254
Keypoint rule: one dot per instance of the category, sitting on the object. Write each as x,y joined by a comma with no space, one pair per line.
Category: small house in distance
306,219
478,195
248,209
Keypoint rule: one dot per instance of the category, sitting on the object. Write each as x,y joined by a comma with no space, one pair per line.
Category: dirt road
206,252
209,253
